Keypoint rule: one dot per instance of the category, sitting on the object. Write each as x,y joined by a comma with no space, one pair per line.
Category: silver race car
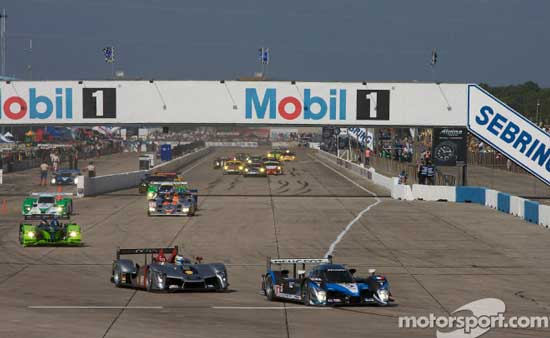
167,272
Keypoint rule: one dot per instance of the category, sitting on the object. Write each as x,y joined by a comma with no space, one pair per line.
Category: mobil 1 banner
449,146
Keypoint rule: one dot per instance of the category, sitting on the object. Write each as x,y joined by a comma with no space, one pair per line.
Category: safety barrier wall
491,198
90,186
544,215
517,206
531,211
503,202
434,192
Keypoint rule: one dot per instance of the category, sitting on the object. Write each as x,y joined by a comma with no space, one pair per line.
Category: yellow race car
287,156
233,167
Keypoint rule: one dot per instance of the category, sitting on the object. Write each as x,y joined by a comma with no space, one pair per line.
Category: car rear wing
144,251
68,171
296,261
53,193
168,183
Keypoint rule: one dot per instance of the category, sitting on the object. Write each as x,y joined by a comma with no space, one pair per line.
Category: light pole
3,17
537,115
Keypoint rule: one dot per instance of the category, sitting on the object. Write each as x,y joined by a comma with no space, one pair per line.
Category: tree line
524,99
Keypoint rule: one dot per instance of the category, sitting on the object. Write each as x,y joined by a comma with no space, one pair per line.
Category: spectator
75,159
367,156
403,177
422,173
430,173
91,169
44,173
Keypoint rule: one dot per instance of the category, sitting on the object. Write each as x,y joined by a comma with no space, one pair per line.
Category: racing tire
269,292
21,238
117,278
149,282
306,295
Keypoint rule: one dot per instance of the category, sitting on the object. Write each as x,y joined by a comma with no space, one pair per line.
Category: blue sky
494,41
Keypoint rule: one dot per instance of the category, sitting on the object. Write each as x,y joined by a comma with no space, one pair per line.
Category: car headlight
249,161
383,294
76,180
53,180
150,195
151,208
241,167
278,168
225,167
31,234
262,170
246,169
217,163
27,207
321,295
59,209
73,234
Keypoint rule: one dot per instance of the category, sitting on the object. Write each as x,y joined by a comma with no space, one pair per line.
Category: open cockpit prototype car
156,177
49,232
322,283
65,177
163,269
45,204
220,162
171,199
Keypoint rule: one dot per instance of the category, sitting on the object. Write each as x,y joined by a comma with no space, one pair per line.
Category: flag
434,58
265,56
260,54
109,54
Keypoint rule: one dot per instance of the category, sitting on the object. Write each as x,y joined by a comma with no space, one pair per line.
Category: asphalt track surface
437,256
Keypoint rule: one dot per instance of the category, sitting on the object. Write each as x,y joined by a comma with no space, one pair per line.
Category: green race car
47,205
50,233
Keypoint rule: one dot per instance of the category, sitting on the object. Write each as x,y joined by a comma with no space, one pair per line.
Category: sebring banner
232,102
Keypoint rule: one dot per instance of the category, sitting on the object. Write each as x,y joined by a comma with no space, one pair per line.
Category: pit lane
437,256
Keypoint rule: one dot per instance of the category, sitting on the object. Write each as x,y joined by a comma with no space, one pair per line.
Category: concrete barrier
90,186
434,192
402,192
470,195
503,202
491,198
544,215
517,206
531,211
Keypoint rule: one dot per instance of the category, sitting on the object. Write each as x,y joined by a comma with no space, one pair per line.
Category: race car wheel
269,292
21,237
117,278
306,295
149,282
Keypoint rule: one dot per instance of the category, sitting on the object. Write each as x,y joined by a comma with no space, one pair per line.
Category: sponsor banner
232,102
509,132
363,136
449,146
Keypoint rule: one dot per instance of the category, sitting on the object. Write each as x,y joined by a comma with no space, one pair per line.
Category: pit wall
531,211
90,186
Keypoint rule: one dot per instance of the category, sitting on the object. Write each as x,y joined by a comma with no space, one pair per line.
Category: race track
437,257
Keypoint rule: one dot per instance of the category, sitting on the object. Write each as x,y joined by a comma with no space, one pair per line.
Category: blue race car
325,283
65,177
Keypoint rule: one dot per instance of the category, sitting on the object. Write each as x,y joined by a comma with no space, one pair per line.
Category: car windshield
271,163
66,174
338,276
46,199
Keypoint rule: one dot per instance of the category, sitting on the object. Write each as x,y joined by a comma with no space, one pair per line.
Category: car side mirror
352,271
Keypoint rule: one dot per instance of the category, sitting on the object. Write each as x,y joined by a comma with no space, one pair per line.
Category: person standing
44,173
430,173
91,169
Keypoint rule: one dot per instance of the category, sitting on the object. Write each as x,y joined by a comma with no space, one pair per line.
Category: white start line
358,217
